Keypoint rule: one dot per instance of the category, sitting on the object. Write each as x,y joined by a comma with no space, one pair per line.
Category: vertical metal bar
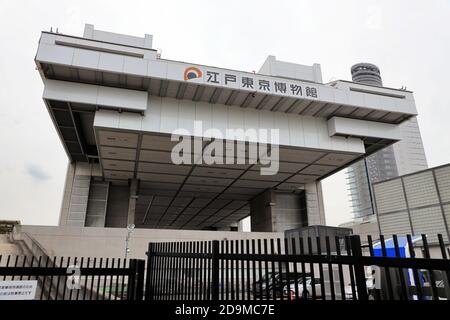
386,270
122,285
369,242
417,280
222,272
163,271
139,288
81,267
7,264
237,269
232,271
160,271
65,278
302,252
330,268
185,271
23,265
446,276
192,266
209,280
242,272
45,278
32,265
104,280
183,275
131,290
116,291
75,264
288,276
272,272
215,271
254,269
360,274
197,267
98,281
171,271
179,272
340,269
205,270
294,252
247,246
350,268
311,267
15,266
166,272
427,256
280,269
150,271
260,280
57,281
404,295
322,283
92,280
49,296
111,280
85,279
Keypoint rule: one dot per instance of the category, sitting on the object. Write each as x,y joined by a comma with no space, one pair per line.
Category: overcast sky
408,40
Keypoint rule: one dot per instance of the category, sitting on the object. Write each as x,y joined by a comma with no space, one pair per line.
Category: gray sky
408,40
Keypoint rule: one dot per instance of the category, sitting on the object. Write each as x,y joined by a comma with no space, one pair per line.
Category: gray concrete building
417,203
403,157
116,105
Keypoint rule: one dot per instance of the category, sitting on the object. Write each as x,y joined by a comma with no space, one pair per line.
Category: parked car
273,284
304,291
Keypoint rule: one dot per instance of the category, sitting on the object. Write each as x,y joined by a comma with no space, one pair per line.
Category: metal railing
297,268
68,278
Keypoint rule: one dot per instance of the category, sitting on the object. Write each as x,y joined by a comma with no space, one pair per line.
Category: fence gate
297,268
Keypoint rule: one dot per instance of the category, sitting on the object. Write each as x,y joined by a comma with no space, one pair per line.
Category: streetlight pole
130,229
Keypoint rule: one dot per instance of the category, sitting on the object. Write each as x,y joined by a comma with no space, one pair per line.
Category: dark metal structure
77,279
246,270
263,269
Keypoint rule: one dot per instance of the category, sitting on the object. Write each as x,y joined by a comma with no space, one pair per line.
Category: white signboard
236,80
18,290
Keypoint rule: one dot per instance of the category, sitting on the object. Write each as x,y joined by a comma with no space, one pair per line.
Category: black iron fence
298,268
67,278
340,268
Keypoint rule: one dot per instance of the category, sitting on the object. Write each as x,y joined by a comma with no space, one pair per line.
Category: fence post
148,284
135,288
360,273
139,288
131,280
215,271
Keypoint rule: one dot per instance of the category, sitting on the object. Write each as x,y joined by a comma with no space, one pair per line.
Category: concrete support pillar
314,203
278,211
261,212
65,205
132,202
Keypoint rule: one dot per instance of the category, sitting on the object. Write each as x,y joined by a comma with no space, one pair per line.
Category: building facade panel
427,210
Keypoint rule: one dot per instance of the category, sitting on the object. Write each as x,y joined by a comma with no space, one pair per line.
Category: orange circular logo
192,73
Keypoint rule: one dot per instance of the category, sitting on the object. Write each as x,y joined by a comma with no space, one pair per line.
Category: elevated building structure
116,103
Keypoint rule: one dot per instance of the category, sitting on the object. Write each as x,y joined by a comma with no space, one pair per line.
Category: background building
403,157
417,203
